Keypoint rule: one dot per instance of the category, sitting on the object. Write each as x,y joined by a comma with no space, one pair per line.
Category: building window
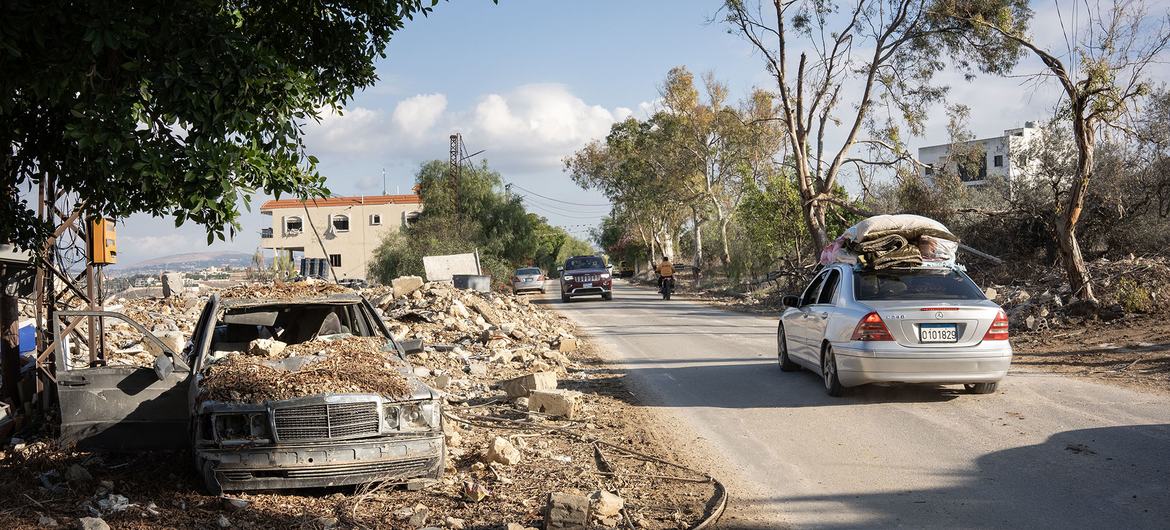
335,260
929,169
375,219
998,160
292,225
341,223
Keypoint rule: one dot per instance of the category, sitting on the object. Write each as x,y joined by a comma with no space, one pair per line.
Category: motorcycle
666,286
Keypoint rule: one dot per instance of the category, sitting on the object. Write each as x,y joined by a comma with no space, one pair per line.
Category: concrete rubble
491,355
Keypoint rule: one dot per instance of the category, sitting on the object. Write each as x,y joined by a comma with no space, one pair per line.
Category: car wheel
207,472
607,296
565,298
981,388
829,371
786,364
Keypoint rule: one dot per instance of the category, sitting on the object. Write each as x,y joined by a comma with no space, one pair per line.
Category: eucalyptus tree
1103,75
860,74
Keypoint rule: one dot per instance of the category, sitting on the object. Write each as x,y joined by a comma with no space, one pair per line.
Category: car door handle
74,382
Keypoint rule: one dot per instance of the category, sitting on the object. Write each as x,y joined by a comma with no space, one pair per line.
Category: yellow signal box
103,248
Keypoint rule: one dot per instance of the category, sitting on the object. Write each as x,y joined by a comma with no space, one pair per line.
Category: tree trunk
814,218
698,227
725,257
1066,224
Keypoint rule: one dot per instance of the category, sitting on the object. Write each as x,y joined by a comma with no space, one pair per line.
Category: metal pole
10,340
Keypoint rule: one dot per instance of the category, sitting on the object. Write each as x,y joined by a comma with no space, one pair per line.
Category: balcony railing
265,233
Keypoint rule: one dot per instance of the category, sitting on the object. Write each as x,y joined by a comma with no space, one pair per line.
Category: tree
888,48
1114,48
721,147
175,108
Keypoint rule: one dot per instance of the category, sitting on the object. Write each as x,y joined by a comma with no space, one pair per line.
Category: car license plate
938,333
587,284
529,280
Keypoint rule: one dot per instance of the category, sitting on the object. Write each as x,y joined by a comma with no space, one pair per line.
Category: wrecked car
269,393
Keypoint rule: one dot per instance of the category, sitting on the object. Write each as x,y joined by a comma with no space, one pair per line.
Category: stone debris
526,384
267,348
502,451
93,523
566,511
607,507
556,403
406,285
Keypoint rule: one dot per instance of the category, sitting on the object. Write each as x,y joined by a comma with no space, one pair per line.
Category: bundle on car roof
888,241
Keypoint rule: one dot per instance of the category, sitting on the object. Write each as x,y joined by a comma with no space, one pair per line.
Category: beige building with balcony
349,228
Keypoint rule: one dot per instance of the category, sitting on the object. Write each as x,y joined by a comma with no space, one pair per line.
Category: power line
559,209
558,200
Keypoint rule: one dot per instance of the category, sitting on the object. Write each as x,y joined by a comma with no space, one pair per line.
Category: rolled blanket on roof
886,252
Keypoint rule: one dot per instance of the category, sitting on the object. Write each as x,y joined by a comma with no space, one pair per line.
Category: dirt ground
41,486
1134,352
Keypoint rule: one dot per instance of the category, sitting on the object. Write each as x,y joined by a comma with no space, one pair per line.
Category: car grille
586,277
327,421
387,469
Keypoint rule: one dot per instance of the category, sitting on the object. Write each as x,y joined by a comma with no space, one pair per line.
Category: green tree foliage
474,214
176,108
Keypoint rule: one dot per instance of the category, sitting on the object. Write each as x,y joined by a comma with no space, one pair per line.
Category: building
349,228
997,157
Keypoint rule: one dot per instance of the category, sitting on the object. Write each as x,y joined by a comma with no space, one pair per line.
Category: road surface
1044,451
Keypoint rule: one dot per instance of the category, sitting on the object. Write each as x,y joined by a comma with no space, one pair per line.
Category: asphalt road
1045,451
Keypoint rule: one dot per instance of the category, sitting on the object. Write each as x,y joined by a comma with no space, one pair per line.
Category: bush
1133,297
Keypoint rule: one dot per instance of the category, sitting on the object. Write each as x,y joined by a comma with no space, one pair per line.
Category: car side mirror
412,346
790,300
164,366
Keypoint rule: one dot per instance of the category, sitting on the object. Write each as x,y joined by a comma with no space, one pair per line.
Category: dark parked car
584,276
317,440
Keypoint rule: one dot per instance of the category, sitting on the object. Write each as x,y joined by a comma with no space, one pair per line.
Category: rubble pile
537,433
342,365
473,339
1124,287
172,320
284,290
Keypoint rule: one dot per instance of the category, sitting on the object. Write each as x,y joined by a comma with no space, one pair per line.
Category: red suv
585,275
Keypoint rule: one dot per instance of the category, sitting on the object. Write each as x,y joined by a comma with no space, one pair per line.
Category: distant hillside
189,261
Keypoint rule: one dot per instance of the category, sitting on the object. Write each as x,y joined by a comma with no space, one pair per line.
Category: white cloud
416,115
355,131
531,127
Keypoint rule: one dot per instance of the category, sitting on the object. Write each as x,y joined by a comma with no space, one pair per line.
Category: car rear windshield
584,263
525,272
915,284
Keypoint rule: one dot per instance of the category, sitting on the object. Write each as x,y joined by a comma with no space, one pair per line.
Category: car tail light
515,278
999,328
871,328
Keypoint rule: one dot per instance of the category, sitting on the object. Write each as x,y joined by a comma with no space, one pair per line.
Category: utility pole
383,181
456,162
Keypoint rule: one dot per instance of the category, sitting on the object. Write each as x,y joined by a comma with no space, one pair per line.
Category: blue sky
531,81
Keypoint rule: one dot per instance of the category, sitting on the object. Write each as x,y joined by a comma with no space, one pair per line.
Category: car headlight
390,417
420,416
604,276
241,426
568,277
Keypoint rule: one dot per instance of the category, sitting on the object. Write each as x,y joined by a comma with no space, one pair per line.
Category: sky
529,82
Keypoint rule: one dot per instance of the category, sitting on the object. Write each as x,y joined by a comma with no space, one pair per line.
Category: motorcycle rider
665,270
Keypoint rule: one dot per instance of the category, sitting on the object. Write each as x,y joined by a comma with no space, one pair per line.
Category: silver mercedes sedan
922,325
528,279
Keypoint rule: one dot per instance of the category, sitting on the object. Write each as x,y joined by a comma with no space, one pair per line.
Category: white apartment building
997,159
349,228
